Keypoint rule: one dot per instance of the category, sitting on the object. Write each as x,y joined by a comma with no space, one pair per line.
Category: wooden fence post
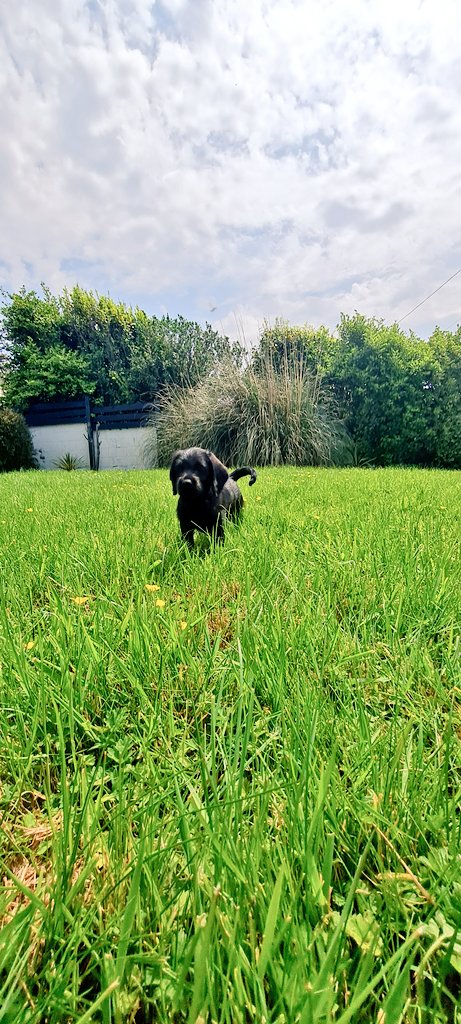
89,433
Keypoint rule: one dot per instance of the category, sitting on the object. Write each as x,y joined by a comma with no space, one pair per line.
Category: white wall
123,449
120,449
51,443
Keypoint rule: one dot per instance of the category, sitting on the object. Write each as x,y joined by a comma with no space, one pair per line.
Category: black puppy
207,492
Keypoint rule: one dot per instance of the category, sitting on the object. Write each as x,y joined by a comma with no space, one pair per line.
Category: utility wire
429,296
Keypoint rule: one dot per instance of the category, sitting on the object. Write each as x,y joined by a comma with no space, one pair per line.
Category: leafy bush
58,373
260,417
384,381
83,343
316,346
399,396
445,388
16,449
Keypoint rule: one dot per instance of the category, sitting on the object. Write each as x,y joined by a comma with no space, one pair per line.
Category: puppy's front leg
218,531
187,531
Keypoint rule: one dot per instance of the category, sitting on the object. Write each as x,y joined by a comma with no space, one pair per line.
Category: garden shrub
16,448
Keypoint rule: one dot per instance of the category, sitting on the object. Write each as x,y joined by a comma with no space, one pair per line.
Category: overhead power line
429,296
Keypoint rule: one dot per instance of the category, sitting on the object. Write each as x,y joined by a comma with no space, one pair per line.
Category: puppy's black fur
208,493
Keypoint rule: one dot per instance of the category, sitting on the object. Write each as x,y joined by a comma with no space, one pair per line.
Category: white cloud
290,157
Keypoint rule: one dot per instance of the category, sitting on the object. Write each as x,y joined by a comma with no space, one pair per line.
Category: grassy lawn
230,783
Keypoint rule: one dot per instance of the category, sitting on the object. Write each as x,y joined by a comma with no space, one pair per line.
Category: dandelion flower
183,625
80,600
29,510
151,587
29,645
160,603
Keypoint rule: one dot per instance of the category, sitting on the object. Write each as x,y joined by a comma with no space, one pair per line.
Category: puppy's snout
185,484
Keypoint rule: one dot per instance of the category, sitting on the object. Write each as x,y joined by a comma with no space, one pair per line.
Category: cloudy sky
235,160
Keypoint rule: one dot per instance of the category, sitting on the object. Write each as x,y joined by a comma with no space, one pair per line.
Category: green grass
236,797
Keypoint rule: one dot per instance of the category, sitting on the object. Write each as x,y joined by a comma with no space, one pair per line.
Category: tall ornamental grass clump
264,417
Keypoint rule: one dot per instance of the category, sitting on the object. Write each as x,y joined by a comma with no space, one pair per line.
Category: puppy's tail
244,471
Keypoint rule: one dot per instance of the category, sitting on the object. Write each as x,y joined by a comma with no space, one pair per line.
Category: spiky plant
69,462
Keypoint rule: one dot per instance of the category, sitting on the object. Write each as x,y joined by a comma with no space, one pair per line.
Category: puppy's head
197,472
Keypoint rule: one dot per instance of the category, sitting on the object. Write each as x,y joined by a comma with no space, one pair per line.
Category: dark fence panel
44,414
118,417
79,410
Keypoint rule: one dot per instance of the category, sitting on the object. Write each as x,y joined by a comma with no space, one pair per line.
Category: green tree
175,351
120,353
282,342
445,384
383,380
57,373
25,318
101,331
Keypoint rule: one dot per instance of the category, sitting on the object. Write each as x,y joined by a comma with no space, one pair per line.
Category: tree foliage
55,374
383,380
59,346
314,347
445,348
399,396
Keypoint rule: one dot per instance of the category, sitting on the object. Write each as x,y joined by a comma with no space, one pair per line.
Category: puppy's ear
220,473
174,472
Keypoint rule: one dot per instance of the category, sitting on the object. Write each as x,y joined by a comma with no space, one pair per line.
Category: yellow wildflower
29,645
151,587
80,600
160,603
183,625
